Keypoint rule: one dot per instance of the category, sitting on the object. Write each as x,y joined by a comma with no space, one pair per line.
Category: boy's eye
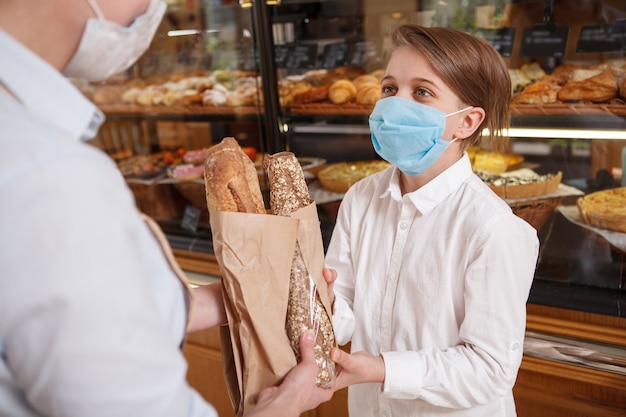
387,89
421,92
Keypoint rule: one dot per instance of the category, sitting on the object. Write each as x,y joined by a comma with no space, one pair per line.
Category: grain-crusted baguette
288,193
231,180
288,189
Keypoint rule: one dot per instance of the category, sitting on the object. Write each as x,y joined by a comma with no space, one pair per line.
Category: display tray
568,109
178,110
561,109
353,109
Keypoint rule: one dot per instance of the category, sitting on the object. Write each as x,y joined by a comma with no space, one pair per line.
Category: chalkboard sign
544,40
360,52
501,39
334,55
302,56
249,60
281,52
191,218
602,38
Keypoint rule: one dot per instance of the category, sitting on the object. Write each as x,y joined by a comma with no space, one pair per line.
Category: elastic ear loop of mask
457,112
96,9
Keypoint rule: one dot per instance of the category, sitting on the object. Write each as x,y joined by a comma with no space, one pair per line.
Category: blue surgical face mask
408,134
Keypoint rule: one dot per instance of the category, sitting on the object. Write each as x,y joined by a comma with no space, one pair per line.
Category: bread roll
226,188
288,193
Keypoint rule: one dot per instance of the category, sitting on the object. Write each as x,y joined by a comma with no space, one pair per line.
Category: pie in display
522,183
339,177
605,209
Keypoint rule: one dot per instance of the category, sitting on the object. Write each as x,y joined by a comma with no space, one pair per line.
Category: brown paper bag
255,253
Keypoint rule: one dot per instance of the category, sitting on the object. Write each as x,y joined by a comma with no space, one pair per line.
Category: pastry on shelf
342,91
523,183
493,162
368,94
596,89
518,80
312,95
533,71
366,79
544,91
379,74
605,209
339,177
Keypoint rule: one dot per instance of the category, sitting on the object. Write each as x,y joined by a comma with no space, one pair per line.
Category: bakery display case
303,76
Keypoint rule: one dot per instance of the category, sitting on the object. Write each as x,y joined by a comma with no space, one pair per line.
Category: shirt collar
43,91
427,197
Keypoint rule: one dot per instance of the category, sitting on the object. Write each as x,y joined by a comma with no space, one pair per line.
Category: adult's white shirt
92,316
436,281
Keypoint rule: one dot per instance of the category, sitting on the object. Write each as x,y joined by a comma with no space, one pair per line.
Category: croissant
342,91
368,94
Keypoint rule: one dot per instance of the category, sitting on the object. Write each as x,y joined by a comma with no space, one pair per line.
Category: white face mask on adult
107,48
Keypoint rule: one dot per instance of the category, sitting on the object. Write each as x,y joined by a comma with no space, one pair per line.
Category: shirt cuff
403,376
343,321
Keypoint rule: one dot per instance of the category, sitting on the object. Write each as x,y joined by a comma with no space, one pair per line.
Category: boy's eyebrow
414,79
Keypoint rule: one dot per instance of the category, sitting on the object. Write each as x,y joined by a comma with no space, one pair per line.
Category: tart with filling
605,209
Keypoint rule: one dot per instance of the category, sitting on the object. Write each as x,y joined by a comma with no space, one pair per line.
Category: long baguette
226,188
288,193
232,185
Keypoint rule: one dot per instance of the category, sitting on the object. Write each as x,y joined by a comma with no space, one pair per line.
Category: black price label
545,40
249,60
602,38
501,39
301,56
281,52
334,55
359,53
191,218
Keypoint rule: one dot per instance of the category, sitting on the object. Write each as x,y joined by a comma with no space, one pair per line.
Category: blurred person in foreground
432,270
93,308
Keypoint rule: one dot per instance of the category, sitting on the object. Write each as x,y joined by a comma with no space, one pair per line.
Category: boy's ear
470,122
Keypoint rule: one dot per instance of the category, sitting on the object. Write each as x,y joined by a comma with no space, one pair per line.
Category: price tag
281,52
501,39
602,38
334,55
544,40
359,53
191,218
249,61
301,56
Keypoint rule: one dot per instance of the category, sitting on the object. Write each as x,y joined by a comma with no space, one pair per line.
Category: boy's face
410,76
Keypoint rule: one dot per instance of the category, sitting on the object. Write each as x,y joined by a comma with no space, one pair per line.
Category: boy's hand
330,276
357,368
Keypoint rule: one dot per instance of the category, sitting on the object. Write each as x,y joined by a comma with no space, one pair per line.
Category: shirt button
515,346
384,325
404,225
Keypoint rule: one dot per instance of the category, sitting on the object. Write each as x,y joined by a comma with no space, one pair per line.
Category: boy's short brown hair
472,68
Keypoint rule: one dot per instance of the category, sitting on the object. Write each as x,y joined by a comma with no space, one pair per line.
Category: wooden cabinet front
544,388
